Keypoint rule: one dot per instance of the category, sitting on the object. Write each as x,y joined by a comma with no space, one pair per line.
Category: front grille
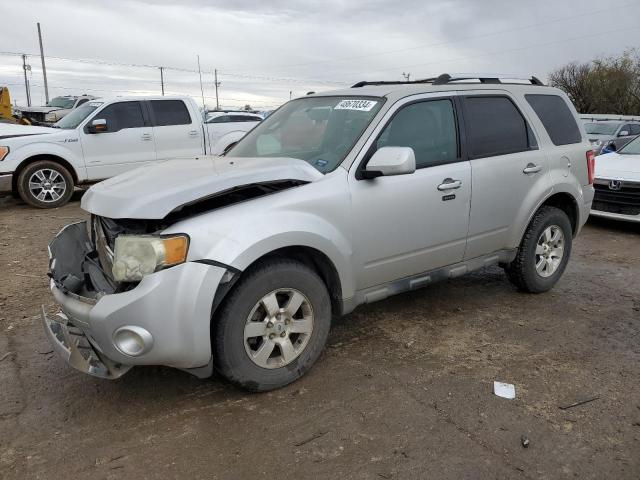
618,197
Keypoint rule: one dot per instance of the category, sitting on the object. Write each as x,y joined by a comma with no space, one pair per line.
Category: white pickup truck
104,138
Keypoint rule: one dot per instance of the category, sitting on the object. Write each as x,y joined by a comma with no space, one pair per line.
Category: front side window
495,127
556,118
635,129
318,130
429,128
169,112
122,115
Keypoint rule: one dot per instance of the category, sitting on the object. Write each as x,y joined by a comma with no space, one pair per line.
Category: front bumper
172,305
6,182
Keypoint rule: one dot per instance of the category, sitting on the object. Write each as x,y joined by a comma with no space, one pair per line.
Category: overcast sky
264,50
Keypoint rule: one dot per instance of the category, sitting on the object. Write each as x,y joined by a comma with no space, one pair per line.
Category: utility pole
201,89
162,79
217,84
26,67
406,76
290,94
44,68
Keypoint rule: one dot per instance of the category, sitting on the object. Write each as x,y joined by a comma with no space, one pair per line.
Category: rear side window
495,127
556,117
635,129
169,112
244,118
122,115
220,119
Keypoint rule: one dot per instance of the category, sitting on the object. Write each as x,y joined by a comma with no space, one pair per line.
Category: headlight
4,151
138,255
50,117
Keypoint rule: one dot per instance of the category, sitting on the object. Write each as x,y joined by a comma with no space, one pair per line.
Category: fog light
133,341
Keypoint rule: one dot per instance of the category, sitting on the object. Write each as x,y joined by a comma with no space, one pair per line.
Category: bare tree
606,85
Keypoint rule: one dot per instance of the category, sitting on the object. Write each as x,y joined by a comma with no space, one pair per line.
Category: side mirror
623,133
389,161
98,125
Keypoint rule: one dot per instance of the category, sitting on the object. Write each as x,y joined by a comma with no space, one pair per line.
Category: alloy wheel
549,251
47,185
278,328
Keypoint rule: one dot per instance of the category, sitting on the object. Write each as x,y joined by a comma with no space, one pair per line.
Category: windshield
61,102
76,117
631,148
596,128
318,130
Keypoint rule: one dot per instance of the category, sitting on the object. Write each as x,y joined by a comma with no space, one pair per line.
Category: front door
127,142
408,224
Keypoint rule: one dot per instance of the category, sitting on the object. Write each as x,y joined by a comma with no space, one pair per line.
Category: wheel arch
313,258
568,204
40,157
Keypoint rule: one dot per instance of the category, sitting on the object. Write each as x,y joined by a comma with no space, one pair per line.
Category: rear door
510,173
127,142
176,133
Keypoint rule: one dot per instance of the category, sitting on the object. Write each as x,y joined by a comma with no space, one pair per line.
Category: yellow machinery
6,115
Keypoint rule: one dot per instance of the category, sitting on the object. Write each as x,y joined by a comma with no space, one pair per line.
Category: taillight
591,165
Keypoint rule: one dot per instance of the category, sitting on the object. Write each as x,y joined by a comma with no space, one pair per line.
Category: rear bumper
172,309
6,182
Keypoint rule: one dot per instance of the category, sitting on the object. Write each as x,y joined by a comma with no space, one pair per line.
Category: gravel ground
404,389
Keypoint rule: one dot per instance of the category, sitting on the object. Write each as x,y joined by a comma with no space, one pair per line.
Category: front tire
543,253
273,326
45,184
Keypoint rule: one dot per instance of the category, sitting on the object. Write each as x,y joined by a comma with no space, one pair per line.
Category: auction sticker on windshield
354,104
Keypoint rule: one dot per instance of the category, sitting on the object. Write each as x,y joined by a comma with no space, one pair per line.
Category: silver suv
238,263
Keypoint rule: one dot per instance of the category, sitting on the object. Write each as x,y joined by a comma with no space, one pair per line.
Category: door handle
146,136
449,184
531,168
193,133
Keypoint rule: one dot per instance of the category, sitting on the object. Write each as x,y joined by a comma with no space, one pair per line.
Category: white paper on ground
504,390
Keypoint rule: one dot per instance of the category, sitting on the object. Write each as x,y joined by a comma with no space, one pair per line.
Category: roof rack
445,78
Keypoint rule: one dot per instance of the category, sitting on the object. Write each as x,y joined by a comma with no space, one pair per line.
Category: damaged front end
77,282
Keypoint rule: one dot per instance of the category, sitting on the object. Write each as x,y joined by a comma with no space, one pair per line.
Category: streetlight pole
217,84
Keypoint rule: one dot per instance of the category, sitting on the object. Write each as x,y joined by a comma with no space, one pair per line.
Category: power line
500,52
459,39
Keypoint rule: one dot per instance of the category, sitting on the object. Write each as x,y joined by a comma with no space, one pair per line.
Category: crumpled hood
614,166
8,130
153,191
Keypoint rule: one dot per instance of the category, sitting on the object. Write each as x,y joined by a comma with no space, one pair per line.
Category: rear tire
45,184
543,253
273,326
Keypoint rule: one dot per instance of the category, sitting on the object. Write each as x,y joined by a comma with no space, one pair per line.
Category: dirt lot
403,391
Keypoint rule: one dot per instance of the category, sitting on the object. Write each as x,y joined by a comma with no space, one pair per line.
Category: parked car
603,134
55,110
617,184
104,138
337,199
230,116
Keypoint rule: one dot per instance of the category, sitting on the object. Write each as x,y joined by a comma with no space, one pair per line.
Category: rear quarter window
557,119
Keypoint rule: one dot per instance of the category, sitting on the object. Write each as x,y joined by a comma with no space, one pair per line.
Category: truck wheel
45,184
272,327
544,252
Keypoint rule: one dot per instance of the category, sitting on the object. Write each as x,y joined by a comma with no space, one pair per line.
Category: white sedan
617,184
